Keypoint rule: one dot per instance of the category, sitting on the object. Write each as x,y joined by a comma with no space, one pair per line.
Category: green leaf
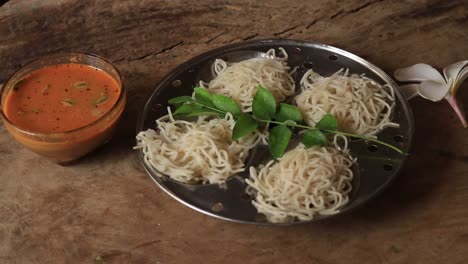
313,137
180,100
278,140
187,109
328,122
264,104
225,104
203,96
288,112
244,126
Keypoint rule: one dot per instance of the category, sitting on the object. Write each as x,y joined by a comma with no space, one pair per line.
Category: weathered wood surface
107,210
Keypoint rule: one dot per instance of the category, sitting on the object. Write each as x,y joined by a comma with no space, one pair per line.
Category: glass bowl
68,146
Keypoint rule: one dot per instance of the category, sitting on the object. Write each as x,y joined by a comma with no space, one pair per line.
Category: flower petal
434,91
461,77
409,90
453,103
452,71
419,72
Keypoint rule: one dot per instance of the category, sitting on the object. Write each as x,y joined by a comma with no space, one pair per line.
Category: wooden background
107,210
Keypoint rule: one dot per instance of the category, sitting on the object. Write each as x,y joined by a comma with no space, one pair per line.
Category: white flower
432,85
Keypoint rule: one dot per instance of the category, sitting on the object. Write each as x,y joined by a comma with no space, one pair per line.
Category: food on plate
309,174
192,152
239,80
361,105
304,183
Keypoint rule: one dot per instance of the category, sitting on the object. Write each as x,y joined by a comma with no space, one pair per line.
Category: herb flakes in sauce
80,84
102,99
45,90
68,102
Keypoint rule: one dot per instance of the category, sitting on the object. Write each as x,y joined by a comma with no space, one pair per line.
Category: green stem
366,138
312,128
336,132
209,107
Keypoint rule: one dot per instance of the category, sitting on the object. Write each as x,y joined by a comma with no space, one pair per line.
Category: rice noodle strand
304,183
201,151
240,80
360,105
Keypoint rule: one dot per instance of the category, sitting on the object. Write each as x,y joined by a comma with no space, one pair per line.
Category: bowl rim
122,95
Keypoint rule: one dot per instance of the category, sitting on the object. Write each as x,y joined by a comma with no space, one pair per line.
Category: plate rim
278,42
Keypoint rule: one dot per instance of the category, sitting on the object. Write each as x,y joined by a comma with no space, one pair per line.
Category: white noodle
240,80
304,183
200,151
360,105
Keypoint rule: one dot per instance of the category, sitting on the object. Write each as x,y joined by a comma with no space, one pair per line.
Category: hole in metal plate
157,108
246,197
373,148
333,57
399,138
308,65
388,167
217,207
176,83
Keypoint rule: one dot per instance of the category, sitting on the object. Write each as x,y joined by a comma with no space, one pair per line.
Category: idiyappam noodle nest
305,182
240,80
360,105
192,152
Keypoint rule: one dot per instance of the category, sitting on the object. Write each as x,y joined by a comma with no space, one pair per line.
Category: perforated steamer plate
376,165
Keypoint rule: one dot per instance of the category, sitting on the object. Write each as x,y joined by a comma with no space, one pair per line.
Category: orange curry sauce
61,98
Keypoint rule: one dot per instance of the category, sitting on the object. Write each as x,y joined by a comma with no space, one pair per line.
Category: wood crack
250,36
285,31
359,8
180,43
215,37
118,253
311,24
354,10
112,254
433,10
145,244
335,15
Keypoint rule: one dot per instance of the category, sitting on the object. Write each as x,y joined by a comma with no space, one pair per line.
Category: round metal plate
376,166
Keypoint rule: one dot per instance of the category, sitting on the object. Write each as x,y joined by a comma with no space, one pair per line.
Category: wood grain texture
107,210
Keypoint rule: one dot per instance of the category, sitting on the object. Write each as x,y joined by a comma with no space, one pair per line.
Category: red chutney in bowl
61,98
63,106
